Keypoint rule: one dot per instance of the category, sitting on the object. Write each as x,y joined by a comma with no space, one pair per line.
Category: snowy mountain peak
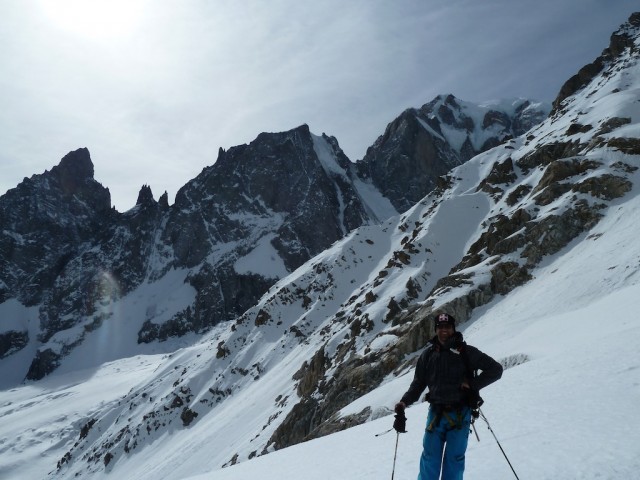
481,126
423,144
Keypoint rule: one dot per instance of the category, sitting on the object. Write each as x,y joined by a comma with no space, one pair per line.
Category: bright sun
96,19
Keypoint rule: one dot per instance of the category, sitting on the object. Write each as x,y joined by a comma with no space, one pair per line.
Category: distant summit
422,144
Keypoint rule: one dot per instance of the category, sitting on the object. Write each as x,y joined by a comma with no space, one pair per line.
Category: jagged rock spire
145,196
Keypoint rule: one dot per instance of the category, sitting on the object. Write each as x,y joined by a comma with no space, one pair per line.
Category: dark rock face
424,144
276,175
48,220
45,362
291,190
620,40
279,181
43,221
12,341
405,162
64,249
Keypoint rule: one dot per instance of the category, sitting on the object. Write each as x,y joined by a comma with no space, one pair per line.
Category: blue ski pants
444,444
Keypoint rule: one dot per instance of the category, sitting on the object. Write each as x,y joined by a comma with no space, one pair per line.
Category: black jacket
443,370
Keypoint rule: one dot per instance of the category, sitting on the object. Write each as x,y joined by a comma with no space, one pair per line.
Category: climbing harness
441,412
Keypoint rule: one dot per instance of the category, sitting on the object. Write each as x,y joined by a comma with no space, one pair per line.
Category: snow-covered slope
531,245
551,413
562,413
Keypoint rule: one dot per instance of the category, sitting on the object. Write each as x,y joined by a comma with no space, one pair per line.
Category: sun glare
95,19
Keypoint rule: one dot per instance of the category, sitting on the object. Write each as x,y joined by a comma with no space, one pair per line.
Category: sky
154,89
564,407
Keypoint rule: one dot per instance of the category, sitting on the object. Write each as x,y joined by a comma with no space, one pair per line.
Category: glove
400,423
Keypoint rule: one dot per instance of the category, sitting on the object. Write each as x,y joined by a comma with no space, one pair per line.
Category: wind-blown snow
379,206
15,316
263,260
118,336
326,156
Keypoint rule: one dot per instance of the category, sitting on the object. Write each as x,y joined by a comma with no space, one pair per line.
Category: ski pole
473,427
496,438
383,433
393,472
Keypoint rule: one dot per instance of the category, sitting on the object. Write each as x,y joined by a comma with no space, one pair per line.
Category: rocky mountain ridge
423,144
359,312
259,212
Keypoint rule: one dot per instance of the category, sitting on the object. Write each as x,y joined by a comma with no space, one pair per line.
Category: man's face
444,332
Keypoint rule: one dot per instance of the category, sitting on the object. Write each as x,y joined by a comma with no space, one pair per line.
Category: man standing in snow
447,366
